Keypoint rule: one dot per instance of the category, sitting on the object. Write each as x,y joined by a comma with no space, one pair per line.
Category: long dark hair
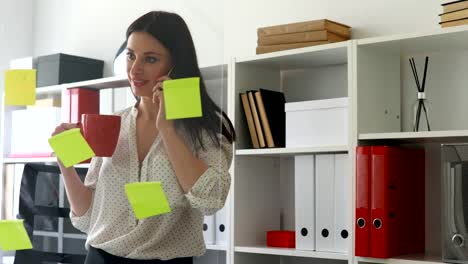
171,30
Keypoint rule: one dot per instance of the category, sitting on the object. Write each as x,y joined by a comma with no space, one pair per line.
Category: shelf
8,256
75,236
425,42
214,72
321,55
209,72
103,83
405,259
292,252
419,137
97,84
38,160
56,234
290,151
216,247
84,165
50,90
30,160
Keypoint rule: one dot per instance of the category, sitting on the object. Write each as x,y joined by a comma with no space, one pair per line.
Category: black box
62,68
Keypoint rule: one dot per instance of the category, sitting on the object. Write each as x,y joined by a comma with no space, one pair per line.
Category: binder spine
325,202
304,169
362,221
381,187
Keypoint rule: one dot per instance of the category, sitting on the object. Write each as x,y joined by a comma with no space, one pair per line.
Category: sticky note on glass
20,87
71,147
13,235
182,98
147,199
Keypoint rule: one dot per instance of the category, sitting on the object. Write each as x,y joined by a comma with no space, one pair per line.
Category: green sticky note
71,147
20,87
182,98
13,236
147,199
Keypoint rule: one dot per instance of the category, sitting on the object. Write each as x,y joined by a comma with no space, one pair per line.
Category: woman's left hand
158,99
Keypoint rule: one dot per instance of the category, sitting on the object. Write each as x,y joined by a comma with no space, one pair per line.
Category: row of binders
390,202
265,116
322,201
215,229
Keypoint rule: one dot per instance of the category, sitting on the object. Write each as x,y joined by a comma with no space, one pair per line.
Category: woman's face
147,60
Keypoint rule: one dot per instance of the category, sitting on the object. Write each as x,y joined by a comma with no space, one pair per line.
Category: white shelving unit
385,91
375,74
263,179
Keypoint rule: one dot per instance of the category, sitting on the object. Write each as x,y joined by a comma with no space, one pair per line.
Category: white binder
304,171
221,226
325,202
209,229
342,203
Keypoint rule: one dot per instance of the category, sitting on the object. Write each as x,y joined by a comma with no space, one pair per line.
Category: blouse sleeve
82,222
209,192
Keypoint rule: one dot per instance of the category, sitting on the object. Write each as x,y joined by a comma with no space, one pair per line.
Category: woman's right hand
79,196
59,129
63,127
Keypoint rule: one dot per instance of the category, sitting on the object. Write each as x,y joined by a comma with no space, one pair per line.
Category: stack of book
265,117
455,14
301,34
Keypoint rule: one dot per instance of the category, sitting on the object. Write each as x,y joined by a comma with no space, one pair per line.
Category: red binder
78,101
397,201
362,224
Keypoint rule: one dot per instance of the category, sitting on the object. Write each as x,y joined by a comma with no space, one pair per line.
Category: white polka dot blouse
110,222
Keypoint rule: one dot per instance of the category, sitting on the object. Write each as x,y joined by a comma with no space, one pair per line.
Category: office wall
367,17
16,32
97,28
221,29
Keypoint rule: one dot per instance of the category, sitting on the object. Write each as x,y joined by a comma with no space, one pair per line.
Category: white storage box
317,123
30,131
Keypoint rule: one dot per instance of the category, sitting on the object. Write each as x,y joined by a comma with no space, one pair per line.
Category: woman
190,157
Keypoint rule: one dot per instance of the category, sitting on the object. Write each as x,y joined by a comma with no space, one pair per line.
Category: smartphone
170,72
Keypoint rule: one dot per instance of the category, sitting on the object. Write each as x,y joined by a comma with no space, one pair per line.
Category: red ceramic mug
101,132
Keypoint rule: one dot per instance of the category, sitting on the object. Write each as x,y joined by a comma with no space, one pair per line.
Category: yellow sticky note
20,87
13,235
147,199
71,147
182,98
